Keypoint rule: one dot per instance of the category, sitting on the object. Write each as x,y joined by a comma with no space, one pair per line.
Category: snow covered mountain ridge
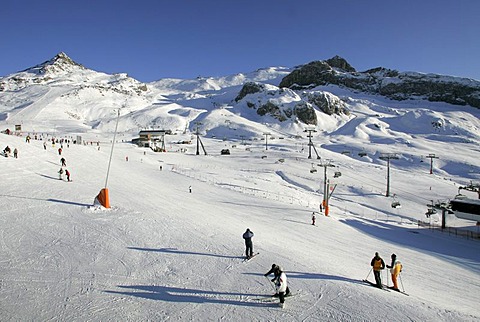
322,94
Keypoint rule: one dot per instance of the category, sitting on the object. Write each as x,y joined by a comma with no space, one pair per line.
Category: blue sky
154,39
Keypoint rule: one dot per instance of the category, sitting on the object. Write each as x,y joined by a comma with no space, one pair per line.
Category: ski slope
161,253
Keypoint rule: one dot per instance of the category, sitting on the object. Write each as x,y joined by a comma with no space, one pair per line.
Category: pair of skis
385,287
247,259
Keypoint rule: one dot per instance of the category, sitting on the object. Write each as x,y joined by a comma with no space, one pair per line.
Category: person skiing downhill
247,235
276,275
63,162
67,173
313,218
60,173
377,264
281,285
395,269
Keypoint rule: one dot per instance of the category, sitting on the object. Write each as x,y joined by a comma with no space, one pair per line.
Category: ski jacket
282,282
377,263
248,237
273,270
395,268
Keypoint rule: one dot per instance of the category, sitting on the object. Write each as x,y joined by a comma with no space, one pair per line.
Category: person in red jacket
67,173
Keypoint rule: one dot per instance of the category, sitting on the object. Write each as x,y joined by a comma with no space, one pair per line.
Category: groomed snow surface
163,253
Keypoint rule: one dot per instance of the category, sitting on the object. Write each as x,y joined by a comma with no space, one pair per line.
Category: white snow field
164,254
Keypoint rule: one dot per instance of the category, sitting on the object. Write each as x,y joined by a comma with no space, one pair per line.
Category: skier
395,269
7,151
190,190
276,275
378,264
281,285
247,235
67,173
15,153
60,173
59,151
63,162
44,145
313,218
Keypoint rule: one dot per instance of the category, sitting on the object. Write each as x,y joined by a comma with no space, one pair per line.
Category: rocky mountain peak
340,63
60,63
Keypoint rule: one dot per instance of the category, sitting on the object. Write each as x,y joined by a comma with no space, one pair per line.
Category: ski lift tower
325,164
431,156
388,157
310,143
197,133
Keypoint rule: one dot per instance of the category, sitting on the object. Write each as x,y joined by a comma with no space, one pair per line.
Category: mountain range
374,112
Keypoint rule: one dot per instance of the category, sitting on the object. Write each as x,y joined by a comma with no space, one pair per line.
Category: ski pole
400,276
271,284
366,278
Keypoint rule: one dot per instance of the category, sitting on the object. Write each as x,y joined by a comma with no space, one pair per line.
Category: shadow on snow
462,252
181,252
185,295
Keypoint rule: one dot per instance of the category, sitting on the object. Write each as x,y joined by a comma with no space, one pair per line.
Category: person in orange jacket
395,269
377,264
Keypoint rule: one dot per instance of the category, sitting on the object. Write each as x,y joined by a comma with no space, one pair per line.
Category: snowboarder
276,275
60,174
281,285
377,264
395,269
313,218
67,173
247,235
15,153
63,162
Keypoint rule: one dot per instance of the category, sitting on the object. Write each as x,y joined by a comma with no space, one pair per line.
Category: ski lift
337,174
430,211
396,203
313,169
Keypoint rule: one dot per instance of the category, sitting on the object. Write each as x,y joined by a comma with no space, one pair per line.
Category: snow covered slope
162,253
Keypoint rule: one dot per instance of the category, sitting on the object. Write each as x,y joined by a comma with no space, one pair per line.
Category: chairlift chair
396,203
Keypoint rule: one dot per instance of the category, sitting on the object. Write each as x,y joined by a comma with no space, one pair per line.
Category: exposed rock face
327,102
249,88
386,82
306,113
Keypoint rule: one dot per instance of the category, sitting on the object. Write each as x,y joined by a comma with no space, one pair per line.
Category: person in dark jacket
275,270
247,235
377,264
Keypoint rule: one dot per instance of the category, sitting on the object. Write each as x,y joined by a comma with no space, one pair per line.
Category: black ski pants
378,278
249,249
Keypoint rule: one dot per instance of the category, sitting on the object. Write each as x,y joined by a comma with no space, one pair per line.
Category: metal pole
400,277
113,144
388,177
325,186
366,278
